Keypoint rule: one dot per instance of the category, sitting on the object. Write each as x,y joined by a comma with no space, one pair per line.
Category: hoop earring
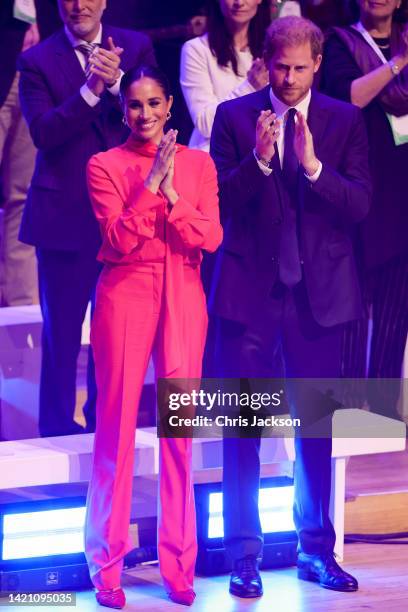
124,121
168,115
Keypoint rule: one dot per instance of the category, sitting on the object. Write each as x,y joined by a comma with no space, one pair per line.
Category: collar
281,108
75,42
146,148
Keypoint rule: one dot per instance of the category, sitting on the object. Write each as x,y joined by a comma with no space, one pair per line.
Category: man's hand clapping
303,145
267,133
103,67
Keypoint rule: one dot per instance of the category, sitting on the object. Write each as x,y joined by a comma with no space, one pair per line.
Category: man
69,94
18,269
294,179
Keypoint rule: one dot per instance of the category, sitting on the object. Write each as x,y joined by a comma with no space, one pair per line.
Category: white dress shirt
89,97
281,110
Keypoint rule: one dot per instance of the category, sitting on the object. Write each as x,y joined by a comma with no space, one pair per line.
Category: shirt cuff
313,177
267,171
114,90
88,96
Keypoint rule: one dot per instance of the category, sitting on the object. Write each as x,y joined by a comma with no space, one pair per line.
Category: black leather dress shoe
324,570
245,579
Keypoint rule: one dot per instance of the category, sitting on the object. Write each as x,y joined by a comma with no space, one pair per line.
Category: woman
157,206
224,63
367,64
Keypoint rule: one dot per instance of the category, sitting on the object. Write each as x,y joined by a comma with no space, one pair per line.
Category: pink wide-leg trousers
127,328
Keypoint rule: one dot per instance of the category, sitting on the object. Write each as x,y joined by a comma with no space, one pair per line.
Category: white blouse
205,84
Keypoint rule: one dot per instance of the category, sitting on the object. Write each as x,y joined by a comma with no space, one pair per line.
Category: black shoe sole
247,596
306,575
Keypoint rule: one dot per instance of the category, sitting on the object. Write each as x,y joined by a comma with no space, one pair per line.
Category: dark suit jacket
67,132
252,203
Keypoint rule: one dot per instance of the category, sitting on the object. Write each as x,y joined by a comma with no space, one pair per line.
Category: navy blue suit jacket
252,205
67,132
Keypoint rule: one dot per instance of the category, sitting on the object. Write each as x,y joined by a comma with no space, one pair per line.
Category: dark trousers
386,293
309,351
67,283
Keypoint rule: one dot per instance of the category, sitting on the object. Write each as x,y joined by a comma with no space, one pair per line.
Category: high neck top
145,148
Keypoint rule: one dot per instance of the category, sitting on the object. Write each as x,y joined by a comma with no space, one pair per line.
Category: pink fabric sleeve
122,224
200,226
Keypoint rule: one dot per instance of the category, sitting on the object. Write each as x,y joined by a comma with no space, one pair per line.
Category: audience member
224,63
69,86
367,64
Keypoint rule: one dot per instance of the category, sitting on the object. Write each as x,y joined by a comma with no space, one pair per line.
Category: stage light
41,545
276,516
275,511
43,533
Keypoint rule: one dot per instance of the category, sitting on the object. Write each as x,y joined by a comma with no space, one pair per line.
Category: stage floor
380,570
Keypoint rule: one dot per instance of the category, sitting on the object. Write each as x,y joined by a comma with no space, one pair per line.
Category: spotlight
276,516
41,546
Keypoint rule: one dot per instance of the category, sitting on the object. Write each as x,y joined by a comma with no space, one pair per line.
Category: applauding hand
303,145
267,133
258,75
162,172
103,67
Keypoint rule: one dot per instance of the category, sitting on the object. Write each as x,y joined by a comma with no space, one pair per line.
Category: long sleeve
339,70
196,81
123,224
200,226
239,179
348,190
51,126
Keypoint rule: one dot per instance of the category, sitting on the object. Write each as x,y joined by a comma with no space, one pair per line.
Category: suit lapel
317,120
69,65
68,62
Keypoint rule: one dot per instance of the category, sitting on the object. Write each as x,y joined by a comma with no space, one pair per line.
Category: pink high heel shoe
111,598
186,598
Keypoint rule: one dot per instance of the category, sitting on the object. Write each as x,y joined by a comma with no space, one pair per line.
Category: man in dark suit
294,179
69,94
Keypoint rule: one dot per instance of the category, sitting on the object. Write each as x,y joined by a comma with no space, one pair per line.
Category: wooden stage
380,570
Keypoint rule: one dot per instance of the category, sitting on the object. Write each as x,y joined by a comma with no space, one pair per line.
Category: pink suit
149,301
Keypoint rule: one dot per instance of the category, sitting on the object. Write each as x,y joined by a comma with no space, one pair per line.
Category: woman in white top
225,62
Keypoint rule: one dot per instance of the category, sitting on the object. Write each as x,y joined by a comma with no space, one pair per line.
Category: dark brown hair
220,39
138,72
